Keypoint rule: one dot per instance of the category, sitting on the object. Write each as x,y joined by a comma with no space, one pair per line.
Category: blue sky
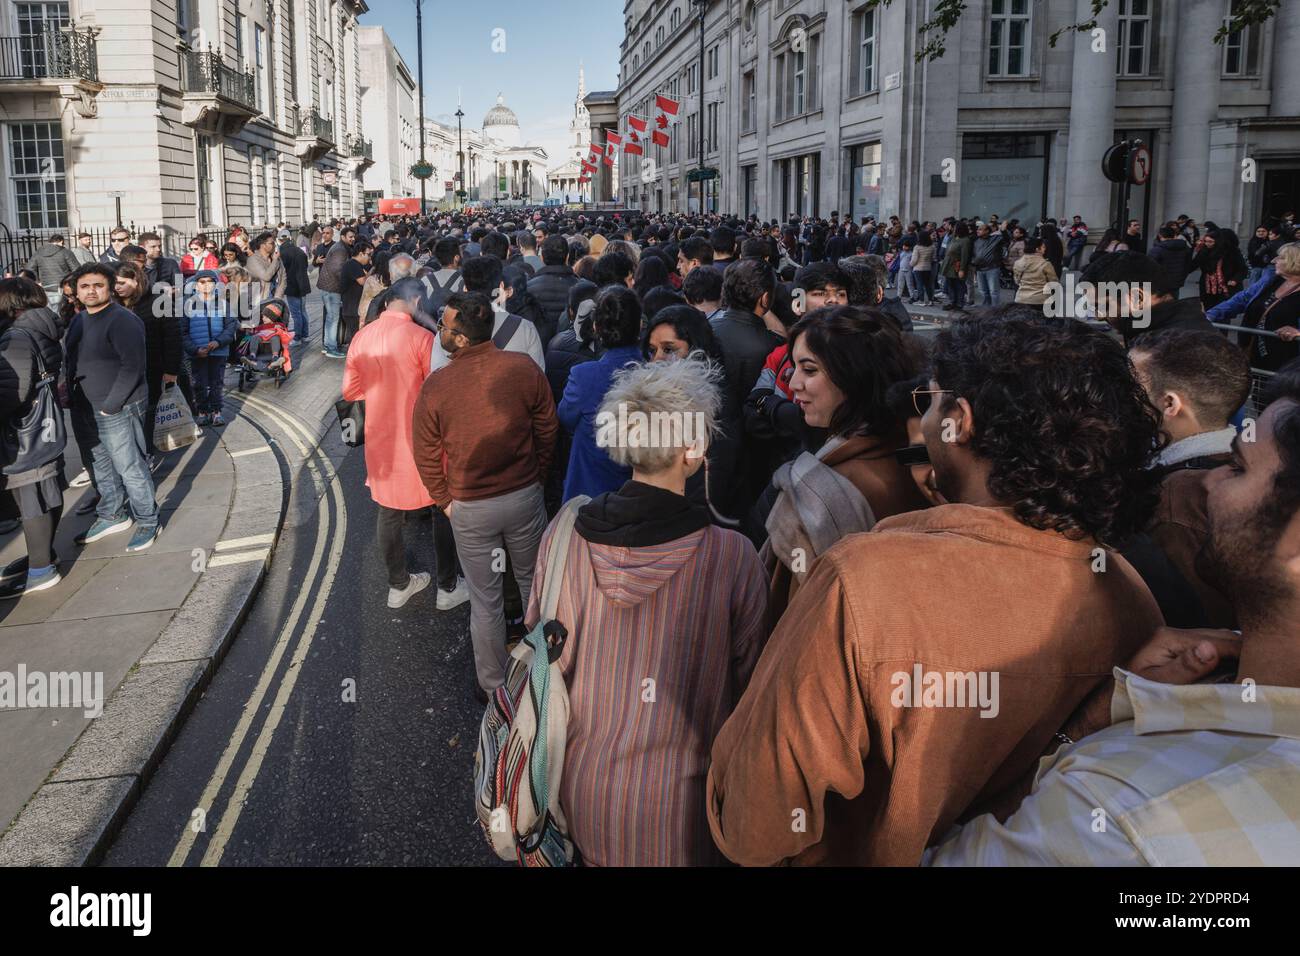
538,71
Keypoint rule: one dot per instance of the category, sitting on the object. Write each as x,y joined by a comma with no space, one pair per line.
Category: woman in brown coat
845,359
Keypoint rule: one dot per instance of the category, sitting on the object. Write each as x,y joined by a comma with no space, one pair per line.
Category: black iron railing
361,148
57,53
313,124
205,72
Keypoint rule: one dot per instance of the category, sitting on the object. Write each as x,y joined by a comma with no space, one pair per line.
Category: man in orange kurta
387,363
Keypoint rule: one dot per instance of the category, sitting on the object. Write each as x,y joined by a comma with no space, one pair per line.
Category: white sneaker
81,481
454,598
419,581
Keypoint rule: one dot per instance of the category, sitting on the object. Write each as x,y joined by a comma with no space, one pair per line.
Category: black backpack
438,294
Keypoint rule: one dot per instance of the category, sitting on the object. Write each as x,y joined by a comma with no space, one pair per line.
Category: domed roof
500,115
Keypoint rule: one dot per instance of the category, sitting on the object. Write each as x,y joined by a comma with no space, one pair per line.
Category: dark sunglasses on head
912,455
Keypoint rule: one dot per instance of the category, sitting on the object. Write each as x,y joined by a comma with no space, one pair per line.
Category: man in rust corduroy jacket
923,668
484,433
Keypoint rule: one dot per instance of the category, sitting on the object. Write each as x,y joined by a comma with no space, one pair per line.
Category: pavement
146,629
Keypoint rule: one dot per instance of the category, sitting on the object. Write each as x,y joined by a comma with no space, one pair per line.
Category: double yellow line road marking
330,537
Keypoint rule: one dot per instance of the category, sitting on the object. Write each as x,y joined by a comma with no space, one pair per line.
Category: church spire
582,81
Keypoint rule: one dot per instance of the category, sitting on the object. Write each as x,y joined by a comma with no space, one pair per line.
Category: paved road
278,764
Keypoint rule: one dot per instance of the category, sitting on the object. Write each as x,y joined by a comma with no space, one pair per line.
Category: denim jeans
301,328
907,283
121,471
333,306
209,382
988,279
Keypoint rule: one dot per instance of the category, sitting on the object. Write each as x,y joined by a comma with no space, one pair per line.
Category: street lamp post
704,8
460,150
419,57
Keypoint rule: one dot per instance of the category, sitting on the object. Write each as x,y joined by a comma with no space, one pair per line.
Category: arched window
750,16
659,37
676,19
645,50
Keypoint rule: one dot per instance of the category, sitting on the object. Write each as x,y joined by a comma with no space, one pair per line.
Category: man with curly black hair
1205,775
924,667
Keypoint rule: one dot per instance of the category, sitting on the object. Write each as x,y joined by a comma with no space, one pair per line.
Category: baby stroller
263,348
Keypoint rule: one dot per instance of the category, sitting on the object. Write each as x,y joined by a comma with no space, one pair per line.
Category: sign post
117,198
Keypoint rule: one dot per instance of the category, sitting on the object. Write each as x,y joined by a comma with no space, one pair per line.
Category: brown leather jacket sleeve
772,767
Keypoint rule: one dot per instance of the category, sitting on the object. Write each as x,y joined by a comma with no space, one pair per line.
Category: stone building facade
201,113
389,118
815,106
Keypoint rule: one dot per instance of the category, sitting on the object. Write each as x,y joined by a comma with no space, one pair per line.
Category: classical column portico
1092,119
1196,106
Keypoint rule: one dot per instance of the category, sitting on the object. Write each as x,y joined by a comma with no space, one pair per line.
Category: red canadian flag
659,138
613,139
634,148
637,123
609,160
668,106
588,167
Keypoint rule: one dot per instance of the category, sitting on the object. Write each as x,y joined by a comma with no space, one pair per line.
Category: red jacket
189,266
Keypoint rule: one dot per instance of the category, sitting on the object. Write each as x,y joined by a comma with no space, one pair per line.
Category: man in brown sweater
484,433
924,667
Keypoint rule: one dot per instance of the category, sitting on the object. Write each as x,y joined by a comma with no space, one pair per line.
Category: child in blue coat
209,331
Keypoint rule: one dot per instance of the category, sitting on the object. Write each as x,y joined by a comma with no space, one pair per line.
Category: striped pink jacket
662,641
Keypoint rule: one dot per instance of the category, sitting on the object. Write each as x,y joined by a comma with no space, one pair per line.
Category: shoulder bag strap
507,331
557,555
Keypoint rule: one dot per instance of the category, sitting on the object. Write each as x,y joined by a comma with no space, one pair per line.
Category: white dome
501,124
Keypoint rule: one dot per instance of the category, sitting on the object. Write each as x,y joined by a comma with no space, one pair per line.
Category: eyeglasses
922,406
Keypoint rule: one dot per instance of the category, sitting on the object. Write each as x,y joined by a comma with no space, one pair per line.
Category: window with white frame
37,24
748,102
203,178
37,175
798,79
862,67
713,59
1139,34
659,37
1240,48
262,75
255,185
712,131
692,135
675,20
1009,23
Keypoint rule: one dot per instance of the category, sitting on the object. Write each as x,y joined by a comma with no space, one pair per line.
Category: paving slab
147,582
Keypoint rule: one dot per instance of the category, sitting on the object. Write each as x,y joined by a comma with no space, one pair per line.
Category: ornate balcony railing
205,72
315,125
57,53
360,148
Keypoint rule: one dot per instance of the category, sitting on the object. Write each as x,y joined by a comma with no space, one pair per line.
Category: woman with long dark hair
31,480
1053,251
651,273
1223,267
617,325
679,331
845,360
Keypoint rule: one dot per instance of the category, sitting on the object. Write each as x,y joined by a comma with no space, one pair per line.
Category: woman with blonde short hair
659,605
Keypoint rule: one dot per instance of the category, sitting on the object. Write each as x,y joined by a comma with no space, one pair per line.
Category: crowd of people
102,337
1073,525
1065,508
